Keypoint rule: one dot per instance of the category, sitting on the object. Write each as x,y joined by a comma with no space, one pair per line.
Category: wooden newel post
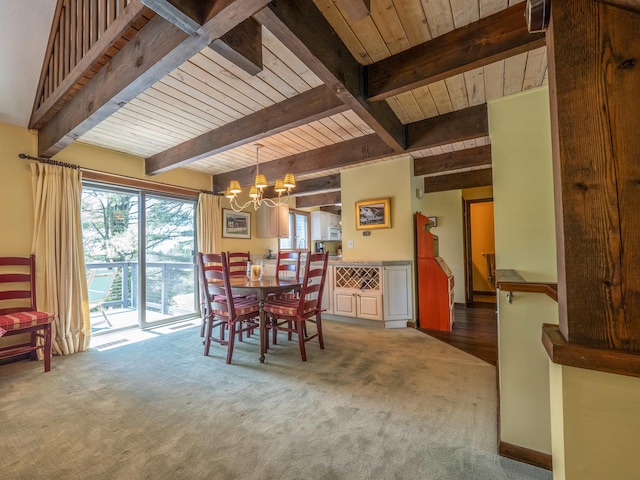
594,85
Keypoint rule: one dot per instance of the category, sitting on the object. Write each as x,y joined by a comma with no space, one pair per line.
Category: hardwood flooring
475,331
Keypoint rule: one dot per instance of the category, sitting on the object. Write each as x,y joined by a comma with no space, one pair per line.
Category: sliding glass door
139,251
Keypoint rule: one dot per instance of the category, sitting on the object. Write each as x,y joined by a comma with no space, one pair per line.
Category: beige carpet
375,404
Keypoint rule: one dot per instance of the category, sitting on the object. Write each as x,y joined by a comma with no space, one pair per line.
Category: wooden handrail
549,289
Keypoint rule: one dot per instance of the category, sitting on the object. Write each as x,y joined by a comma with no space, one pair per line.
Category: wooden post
594,85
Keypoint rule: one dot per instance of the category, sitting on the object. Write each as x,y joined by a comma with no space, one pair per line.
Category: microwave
334,233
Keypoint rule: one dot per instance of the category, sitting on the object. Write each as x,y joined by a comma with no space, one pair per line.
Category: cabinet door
327,294
345,303
369,306
397,292
273,222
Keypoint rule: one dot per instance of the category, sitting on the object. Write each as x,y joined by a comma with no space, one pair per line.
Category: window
298,232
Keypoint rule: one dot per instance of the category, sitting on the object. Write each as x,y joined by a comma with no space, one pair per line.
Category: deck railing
170,286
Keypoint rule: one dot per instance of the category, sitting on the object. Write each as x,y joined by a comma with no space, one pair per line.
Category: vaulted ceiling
322,84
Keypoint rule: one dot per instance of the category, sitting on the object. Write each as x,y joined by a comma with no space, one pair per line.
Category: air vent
104,346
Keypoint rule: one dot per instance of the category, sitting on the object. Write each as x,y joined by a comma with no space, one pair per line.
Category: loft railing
85,35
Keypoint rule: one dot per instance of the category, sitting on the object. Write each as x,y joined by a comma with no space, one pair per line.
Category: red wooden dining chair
238,263
18,312
306,308
287,266
222,310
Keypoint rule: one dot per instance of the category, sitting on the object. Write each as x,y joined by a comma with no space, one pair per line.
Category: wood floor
475,331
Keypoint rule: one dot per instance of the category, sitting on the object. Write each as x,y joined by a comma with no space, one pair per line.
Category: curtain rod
114,177
49,161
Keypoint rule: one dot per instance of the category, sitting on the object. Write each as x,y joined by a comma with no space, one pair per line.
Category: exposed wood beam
493,38
242,46
318,184
355,9
302,28
54,102
458,181
158,48
319,200
470,157
451,127
307,107
361,149
628,4
184,14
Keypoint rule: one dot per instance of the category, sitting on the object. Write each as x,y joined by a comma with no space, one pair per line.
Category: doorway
480,257
139,250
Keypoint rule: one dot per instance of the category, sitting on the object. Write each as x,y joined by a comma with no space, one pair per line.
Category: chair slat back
213,271
312,287
288,262
17,284
238,263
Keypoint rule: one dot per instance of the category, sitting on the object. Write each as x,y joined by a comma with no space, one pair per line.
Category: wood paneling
458,181
306,107
491,39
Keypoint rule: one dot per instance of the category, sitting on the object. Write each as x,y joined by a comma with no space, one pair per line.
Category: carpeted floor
375,404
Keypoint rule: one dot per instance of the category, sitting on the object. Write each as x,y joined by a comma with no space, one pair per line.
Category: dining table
261,288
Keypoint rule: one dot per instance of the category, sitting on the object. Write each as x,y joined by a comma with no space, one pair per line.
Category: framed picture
371,214
236,224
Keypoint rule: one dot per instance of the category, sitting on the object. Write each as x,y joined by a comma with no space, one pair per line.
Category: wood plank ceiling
208,91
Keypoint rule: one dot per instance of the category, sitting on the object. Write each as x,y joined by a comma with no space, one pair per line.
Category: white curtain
209,223
61,283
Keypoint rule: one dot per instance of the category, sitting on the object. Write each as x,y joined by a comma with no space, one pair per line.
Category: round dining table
242,285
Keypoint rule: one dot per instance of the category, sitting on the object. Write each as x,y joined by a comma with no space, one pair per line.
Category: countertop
338,261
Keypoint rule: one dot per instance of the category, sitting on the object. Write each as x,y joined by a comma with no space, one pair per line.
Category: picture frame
236,224
373,214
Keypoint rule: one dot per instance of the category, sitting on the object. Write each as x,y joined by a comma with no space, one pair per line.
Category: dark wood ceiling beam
311,185
319,200
468,158
307,107
445,129
458,181
493,38
184,14
157,49
242,46
451,127
302,28
358,150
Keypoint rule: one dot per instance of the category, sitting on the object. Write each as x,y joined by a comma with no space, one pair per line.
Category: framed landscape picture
236,224
371,214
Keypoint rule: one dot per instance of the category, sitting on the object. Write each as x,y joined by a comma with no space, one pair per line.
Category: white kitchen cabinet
320,223
273,222
358,292
397,289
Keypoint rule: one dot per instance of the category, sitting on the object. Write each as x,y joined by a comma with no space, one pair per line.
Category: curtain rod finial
22,155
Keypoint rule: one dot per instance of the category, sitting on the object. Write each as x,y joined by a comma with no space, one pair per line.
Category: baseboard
525,455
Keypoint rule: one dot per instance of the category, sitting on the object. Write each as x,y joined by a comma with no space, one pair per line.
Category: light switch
350,244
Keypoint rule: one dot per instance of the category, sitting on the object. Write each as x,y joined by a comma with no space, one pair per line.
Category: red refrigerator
435,280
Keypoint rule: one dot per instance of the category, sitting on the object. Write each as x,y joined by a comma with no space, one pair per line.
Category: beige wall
519,126
599,433
520,130
391,179
447,206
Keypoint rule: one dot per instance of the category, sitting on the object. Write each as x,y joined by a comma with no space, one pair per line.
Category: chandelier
257,190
